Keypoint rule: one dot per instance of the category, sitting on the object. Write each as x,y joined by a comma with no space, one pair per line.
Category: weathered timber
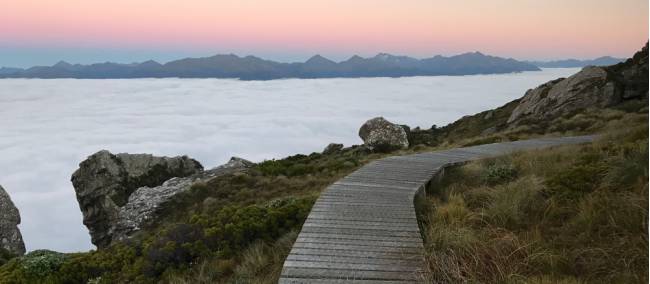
363,228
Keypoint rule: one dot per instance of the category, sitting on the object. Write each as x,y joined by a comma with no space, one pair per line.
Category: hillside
254,68
572,214
575,214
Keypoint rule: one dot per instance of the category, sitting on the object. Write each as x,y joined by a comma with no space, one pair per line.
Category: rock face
381,135
104,183
592,87
145,202
584,89
10,237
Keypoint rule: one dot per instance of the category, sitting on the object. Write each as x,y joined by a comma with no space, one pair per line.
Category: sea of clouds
48,126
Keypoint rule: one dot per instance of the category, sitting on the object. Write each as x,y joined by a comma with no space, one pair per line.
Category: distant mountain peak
318,59
149,63
230,55
62,64
401,60
355,58
473,54
384,56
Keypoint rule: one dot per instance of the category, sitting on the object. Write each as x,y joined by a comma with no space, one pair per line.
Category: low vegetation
573,214
236,228
492,127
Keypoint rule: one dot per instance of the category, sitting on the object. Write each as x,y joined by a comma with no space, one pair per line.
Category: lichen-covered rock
104,182
381,135
237,162
145,202
332,148
582,90
10,237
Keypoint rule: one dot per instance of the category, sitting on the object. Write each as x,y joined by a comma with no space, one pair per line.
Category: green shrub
175,247
40,263
499,173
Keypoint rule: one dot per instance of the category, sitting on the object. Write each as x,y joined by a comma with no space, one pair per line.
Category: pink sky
524,29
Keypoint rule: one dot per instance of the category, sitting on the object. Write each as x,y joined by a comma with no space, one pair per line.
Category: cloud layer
48,126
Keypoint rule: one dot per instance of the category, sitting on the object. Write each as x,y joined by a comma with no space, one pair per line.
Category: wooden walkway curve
363,228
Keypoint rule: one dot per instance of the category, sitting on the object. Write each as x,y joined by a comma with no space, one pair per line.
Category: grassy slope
575,214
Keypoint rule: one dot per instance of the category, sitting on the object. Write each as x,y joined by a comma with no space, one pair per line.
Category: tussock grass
573,214
259,263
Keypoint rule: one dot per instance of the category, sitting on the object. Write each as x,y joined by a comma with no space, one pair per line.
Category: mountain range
572,63
255,68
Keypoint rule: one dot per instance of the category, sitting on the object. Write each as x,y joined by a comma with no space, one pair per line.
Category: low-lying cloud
48,126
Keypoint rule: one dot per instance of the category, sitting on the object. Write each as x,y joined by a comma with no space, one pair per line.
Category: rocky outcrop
592,87
587,88
145,203
381,135
104,183
10,237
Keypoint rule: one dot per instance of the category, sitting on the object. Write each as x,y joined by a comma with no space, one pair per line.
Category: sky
42,32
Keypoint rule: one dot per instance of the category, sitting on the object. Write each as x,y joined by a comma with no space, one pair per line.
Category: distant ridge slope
573,63
254,68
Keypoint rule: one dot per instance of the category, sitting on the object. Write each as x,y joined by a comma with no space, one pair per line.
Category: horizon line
313,56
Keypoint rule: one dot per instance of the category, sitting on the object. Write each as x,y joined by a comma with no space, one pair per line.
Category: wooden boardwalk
363,228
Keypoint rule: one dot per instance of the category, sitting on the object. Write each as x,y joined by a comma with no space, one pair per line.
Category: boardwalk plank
348,274
337,281
363,228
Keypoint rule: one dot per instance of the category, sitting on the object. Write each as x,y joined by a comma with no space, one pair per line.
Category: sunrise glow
528,29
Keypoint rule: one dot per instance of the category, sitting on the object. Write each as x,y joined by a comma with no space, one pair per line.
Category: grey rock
104,183
587,88
592,87
10,237
332,148
145,203
381,135
237,162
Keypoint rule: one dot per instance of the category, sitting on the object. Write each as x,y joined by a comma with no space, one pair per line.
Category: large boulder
145,203
104,182
380,134
592,87
10,237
